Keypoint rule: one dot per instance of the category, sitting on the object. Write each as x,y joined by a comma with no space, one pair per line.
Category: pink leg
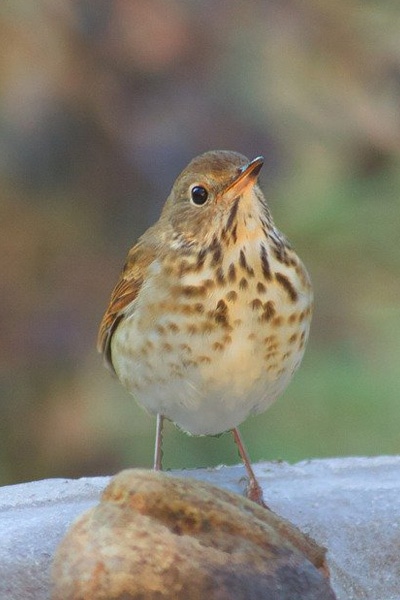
158,445
254,490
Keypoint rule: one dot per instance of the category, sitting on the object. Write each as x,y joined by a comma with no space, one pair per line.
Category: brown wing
126,290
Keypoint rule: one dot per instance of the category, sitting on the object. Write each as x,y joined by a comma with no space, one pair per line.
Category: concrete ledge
351,506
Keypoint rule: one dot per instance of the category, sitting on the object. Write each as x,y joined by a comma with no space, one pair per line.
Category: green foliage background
101,105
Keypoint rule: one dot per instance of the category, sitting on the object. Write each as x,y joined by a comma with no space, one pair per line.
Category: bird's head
215,192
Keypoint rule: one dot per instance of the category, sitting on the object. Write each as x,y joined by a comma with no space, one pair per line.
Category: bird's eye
198,195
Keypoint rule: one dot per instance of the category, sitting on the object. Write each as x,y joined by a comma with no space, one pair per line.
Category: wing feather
124,293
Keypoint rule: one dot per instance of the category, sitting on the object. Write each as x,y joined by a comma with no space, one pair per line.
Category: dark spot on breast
287,285
218,346
272,347
270,355
234,234
217,256
186,309
302,340
220,314
184,267
269,311
201,257
222,306
256,304
214,244
221,319
232,214
208,283
191,329
244,264
207,326
191,291
243,283
220,277
277,321
242,259
188,363
261,289
167,270
204,359
232,273
264,263
186,348
281,254
231,296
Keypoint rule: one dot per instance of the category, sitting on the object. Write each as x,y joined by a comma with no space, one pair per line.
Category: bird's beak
247,177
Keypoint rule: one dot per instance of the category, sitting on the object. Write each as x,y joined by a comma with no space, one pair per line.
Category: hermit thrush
209,319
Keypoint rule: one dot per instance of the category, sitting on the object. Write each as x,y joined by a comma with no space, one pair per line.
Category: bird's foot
254,492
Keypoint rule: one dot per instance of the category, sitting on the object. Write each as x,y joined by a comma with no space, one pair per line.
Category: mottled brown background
102,104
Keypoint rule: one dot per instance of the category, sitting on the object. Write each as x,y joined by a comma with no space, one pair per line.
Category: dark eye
199,195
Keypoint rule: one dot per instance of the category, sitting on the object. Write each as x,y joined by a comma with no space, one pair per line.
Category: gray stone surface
351,506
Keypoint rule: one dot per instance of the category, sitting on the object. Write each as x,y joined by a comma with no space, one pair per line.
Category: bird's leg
254,490
158,444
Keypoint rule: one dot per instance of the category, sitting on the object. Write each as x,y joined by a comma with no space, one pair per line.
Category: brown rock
154,536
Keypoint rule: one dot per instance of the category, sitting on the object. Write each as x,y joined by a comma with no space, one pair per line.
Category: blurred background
102,103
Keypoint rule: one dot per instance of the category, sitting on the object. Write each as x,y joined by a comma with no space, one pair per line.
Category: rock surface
351,506
156,536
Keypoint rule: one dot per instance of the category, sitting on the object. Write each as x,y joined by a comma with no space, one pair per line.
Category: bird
210,316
